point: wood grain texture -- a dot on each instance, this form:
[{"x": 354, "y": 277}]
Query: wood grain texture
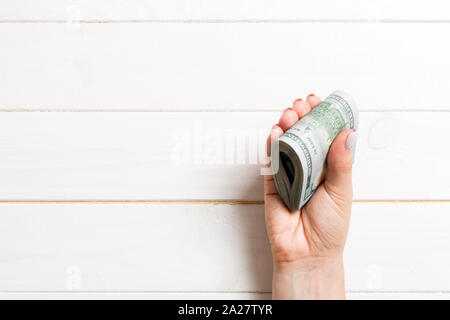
[
  {"x": 119, "y": 10},
  {"x": 199, "y": 248},
  {"x": 202, "y": 156},
  {"x": 238, "y": 66}
]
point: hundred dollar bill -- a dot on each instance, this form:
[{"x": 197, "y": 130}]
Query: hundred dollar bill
[{"x": 299, "y": 156}]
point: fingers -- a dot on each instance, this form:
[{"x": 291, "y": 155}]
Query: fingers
[
  {"x": 301, "y": 107},
  {"x": 313, "y": 100},
  {"x": 338, "y": 181},
  {"x": 275, "y": 133},
  {"x": 290, "y": 116},
  {"x": 269, "y": 185},
  {"x": 288, "y": 119}
]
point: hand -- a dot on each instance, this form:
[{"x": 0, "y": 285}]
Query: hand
[{"x": 307, "y": 245}]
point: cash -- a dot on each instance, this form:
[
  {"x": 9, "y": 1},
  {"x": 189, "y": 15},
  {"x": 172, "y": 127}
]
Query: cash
[{"x": 299, "y": 156}]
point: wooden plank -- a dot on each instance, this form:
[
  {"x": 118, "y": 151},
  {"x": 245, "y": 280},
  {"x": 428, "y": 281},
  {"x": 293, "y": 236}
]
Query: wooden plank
[
  {"x": 207, "y": 296},
  {"x": 202, "y": 156},
  {"x": 133, "y": 248},
  {"x": 398, "y": 296},
  {"x": 238, "y": 66},
  {"x": 135, "y": 296},
  {"x": 398, "y": 247},
  {"x": 119, "y": 10},
  {"x": 392, "y": 247}
]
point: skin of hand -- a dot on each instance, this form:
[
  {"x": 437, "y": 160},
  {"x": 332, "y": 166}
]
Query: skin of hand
[{"x": 307, "y": 244}]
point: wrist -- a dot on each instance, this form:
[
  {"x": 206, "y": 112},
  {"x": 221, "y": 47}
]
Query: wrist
[{"x": 309, "y": 278}]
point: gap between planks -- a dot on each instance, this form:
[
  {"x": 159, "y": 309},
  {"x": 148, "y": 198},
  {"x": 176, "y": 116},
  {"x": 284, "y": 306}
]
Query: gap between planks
[
  {"x": 175, "y": 110},
  {"x": 193, "y": 202},
  {"x": 230, "y": 21},
  {"x": 193, "y": 292}
]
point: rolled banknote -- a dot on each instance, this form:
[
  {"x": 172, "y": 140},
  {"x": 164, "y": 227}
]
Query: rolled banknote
[{"x": 299, "y": 156}]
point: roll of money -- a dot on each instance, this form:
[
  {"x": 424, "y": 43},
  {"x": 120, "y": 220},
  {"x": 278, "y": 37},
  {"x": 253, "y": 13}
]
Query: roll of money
[{"x": 298, "y": 158}]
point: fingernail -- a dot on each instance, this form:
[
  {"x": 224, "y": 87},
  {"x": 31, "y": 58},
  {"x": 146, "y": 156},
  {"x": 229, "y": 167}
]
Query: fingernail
[
  {"x": 311, "y": 95},
  {"x": 299, "y": 99},
  {"x": 350, "y": 140},
  {"x": 351, "y": 143}
]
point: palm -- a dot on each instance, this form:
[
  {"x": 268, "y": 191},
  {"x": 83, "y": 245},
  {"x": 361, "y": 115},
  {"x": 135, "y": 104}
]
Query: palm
[{"x": 309, "y": 231}]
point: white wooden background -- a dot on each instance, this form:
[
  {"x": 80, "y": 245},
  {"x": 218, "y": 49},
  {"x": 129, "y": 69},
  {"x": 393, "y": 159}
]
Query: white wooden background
[{"x": 94, "y": 94}]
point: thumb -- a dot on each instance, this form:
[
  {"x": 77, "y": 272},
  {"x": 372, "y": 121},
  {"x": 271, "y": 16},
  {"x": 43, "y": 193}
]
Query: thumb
[{"x": 338, "y": 181}]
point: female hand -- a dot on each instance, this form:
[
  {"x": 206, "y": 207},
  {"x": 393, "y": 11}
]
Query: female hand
[{"x": 307, "y": 245}]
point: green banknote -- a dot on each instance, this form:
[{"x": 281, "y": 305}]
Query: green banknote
[{"x": 299, "y": 156}]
